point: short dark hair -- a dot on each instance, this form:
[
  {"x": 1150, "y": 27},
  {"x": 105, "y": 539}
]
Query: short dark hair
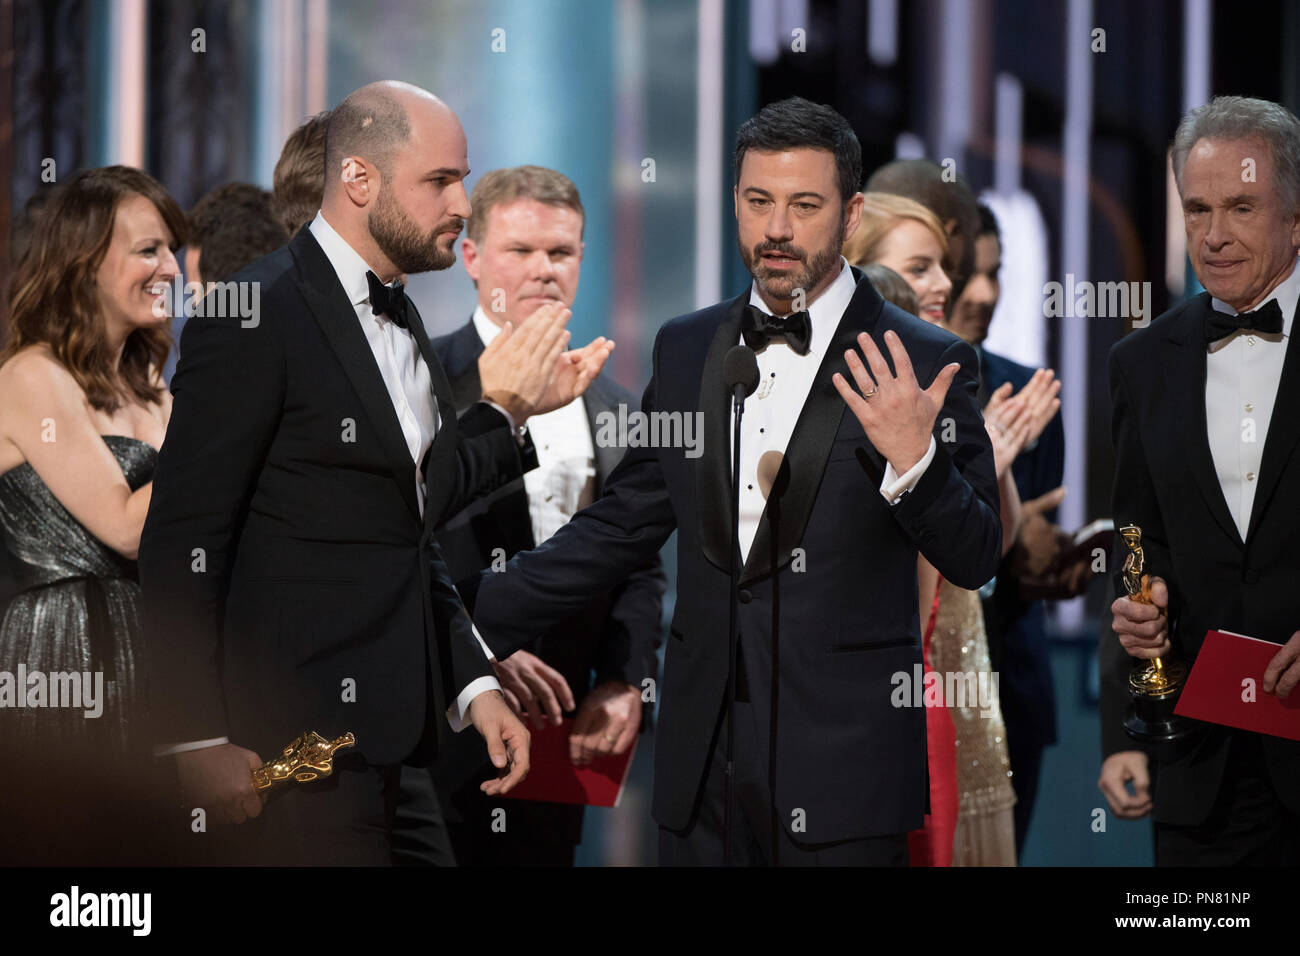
[
  {"x": 370, "y": 123},
  {"x": 299, "y": 178},
  {"x": 796, "y": 123},
  {"x": 988, "y": 224},
  {"x": 233, "y": 225}
]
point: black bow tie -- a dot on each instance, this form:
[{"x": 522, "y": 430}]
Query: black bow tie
[
  {"x": 759, "y": 328},
  {"x": 388, "y": 300},
  {"x": 1267, "y": 319}
]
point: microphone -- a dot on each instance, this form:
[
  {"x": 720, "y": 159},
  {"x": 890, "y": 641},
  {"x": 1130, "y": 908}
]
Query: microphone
[{"x": 740, "y": 371}]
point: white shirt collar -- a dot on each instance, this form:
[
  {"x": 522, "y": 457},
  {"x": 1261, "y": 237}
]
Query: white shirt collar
[
  {"x": 347, "y": 262},
  {"x": 824, "y": 312},
  {"x": 1287, "y": 293},
  {"x": 487, "y": 329}
]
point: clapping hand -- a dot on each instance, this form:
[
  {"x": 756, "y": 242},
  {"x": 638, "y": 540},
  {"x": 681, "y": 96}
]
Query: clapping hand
[
  {"x": 516, "y": 368},
  {"x": 574, "y": 372},
  {"x": 1008, "y": 427},
  {"x": 1038, "y": 399}
]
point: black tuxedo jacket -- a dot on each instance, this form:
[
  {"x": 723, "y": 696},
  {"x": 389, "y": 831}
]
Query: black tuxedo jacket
[
  {"x": 289, "y": 581},
  {"x": 1165, "y": 483},
  {"x": 835, "y": 622}
]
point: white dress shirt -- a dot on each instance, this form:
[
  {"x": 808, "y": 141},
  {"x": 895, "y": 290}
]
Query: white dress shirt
[
  {"x": 785, "y": 379},
  {"x": 564, "y": 481},
  {"x": 410, "y": 387},
  {"x": 396, "y": 353},
  {"x": 1242, "y": 374}
]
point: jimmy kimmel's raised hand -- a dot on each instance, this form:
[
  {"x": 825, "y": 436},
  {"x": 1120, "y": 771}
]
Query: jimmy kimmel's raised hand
[
  {"x": 220, "y": 780},
  {"x": 507, "y": 741},
  {"x": 516, "y": 369},
  {"x": 894, "y": 411}
]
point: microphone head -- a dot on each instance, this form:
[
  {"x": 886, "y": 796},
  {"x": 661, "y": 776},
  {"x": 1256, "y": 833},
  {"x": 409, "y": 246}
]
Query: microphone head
[{"x": 740, "y": 367}]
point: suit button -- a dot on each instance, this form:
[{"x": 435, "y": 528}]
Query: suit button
[
  {"x": 1250, "y": 576},
  {"x": 745, "y": 596}
]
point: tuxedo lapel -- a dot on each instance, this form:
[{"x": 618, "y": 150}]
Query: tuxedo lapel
[
  {"x": 462, "y": 350},
  {"x": 1185, "y": 362},
  {"x": 794, "y": 491},
  {"x": 713, "y": 467},
  {"x": 1283, "y": 431},
  {"x": 444, "y": 438},
  {"x": 336, "y": 317},
  {"x": 595, "y": 401}
]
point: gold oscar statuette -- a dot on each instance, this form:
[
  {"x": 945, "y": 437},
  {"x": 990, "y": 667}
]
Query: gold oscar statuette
[
  {"x": 307, "y": 758},
  {"x": 1154, "y": 684}
]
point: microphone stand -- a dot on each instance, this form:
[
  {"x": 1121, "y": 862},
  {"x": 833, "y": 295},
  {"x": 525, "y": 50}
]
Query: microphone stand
[{"x": 729, "y": 772}]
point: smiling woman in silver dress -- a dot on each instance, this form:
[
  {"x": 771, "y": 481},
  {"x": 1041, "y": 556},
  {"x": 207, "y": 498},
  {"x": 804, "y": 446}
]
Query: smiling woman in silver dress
[{"x": 83, "y": 410}]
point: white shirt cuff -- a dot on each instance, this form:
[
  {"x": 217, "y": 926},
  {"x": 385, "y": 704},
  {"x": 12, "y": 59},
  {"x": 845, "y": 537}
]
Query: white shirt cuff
[
  {"x": 456, "y": 713},
  {"x": 894, "y": 485},
  {"x": 166, "y": 750}
]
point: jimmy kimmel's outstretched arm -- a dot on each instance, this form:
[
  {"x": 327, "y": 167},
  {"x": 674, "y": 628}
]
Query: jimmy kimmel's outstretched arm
[
  {"x": 632, "y": 633},
  {"x": 228, "y": 391},
  {"x": 601, "y": 546},
  {"x": 487, "y": 457}
]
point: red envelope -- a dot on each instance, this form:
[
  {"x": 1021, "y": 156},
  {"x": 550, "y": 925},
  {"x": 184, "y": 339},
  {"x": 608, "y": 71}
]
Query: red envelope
[
  {"x": 553, "y": 776},
  {"x": 1214, "y": 689}
]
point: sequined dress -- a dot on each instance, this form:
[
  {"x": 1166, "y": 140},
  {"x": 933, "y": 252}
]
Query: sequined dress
[
  {"x": 985, "y": 833},
  {"x": 77, "y": 610}
]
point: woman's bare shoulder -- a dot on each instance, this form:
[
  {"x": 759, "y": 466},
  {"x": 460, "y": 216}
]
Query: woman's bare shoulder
[{"x": 32, "y": 372}]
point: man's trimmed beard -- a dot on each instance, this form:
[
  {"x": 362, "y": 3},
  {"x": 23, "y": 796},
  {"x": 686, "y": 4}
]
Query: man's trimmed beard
[
  {"x": 400, "y": 240},
  {"x": 782, "y": 285}
]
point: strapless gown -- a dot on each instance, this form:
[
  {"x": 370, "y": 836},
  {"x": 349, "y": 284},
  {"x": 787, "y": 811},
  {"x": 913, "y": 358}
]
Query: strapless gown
[{"x": 77, "y": 609}]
